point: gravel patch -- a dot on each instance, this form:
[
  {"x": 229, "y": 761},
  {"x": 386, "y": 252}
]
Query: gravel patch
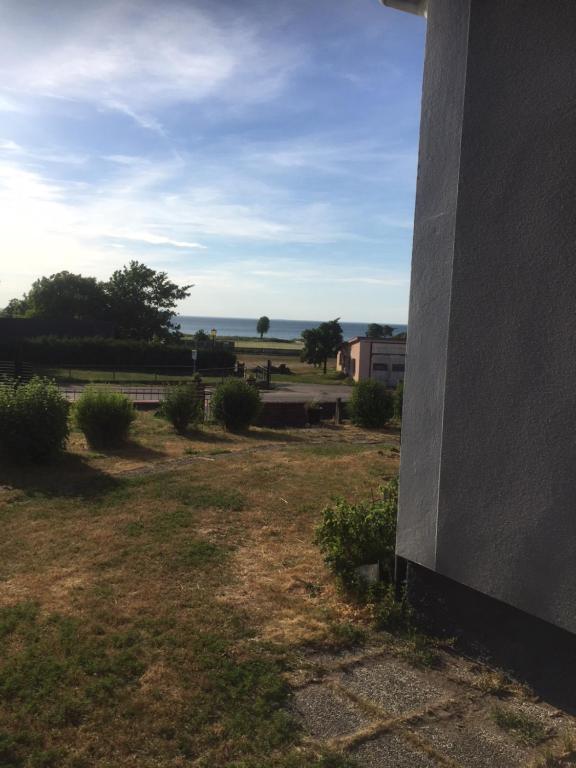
[
  {"x": 325, "y": 714},
  {"x": 395, "y": 688},
  {"x": 476, "y": 743},
  {"x": 390, "y": 751}
]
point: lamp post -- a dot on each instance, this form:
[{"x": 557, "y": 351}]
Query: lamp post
[{"x": 213, "y": 333}]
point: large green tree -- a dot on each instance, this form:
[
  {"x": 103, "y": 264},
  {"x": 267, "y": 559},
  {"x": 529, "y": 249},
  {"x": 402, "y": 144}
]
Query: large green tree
[
  {"x": 62, "y": 296},
  {"x": 263, "y": 325},
  {"x": 377, "y": 331},
  {"x": 142, "y": 302},
  {"x": 321, "y": 343},
  {"x": 138, "y": 300}
]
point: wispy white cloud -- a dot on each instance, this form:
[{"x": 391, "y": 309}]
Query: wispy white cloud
[
  {"x": 146, "y": 237},
  {"x": 138, "y": 57},
  {"x": 41, "y": 154}
]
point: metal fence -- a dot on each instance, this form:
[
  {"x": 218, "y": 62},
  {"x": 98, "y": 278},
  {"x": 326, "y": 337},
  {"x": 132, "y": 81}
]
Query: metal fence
[{"x": 10, "y": 370}]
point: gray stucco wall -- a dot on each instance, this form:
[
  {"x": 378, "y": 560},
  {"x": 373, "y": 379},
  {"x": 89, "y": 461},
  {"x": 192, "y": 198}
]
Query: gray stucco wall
[
  {"x": 488, "y": 472},
  {"x": 429, "y": 317}
]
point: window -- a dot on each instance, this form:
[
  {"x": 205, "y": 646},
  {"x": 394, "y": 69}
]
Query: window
[
  {"x": 398, "y": 367},
  {"x": 380, "y": 367}
]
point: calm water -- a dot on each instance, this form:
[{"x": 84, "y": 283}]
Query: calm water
[{"x": 279, "y": 329}]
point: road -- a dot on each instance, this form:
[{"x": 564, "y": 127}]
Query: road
[{"x": 282, "y": 393}]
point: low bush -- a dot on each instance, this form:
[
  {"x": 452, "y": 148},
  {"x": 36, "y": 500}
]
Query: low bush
[
  {"x": 351, "y": 535},
  {"x": 235, "y": 404},
  {"x": 104, "y": 416},
  {"x": 183, "y": 405},
  {"x": 33, "y": 420},
  {"x": 371, "y": 404}
]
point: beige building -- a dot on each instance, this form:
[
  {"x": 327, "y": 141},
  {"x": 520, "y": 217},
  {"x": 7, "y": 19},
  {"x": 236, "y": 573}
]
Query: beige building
[{"x": 379, "y": 359}]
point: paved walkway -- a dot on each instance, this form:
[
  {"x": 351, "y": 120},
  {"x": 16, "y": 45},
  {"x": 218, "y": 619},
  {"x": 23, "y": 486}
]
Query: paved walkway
[{"x": 385, "y": 713}]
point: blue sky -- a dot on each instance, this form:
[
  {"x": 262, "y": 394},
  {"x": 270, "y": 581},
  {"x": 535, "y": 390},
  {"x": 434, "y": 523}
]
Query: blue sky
[{"x": 264, "y": 151}]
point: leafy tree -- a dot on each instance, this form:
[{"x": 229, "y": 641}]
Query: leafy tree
[
  {"x": 15, "y": 308},
  {"x": 321, "y": 343},
  {"x": 142, "y": 302},
  {"x": 263, "y": 325},
  {"x": 138, "y": 300},
  {"x": 62, "y": 296},
  {"x": 201, "y": 336},
  {"x": 377, "y": 331}
]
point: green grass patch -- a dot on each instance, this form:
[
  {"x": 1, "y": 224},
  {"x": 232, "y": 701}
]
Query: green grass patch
[
  {"x": 201, "y": 496},
  {"x": 197, "y": 553},
  {"x": 54, "y": 670},
  {"x": 524, "y": 728}
]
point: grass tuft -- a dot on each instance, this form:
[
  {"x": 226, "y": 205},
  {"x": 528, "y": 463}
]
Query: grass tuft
[{"x": 524, "y": 728}]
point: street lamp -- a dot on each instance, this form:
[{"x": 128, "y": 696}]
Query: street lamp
[{"x": 213, "y": 333}]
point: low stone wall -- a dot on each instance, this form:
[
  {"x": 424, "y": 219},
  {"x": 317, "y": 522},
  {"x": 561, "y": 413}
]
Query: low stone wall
[{"x": 278, "y": 415}]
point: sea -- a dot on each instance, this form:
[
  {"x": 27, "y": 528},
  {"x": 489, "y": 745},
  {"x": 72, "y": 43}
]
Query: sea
[{"x": 279, "y": 329}]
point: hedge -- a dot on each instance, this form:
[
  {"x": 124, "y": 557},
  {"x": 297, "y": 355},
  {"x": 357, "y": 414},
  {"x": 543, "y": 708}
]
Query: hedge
[{"x": 55, "y": 351}]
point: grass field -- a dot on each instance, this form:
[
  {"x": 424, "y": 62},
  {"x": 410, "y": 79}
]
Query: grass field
[
  {"x": 154, "y": 598},
  {"x": 264, "y": 345},
  {"x": 301, "y": 373}
]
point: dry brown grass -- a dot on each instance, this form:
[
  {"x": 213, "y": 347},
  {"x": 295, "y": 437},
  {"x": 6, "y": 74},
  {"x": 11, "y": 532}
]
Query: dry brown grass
[{"x": 189, "y": 582}]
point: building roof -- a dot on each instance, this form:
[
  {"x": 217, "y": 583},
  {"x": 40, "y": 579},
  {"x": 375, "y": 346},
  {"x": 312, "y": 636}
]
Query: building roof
[
  {"x": 387, "y": 340},
  {"x": 419, "y": 7}
]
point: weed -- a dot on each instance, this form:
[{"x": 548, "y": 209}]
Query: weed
[
  {"x": 524, "y": 728},
  {"x": 390, "y": 614},
  {"x": 492, "y": 682},
  {"x": 346, "y": 635},
  {"x": 422, "y": 651}
]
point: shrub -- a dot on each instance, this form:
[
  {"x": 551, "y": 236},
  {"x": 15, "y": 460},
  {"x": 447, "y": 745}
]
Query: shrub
[
  {"x": 33, "y": 420},
  {"x": 355, "y": 534},
  {"x": 235, "y": 404},
  {"x": 104, "y": 416},
  {"x": 370, "y": 404},
  {"x": 183, "y": 405}
]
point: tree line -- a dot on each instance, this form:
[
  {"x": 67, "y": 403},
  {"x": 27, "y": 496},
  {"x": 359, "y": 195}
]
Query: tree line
[{"x": 139, "y": 301}]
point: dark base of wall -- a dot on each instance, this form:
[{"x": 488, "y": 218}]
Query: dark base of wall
[
  {"x": 279, "y": 415},
  {"x": 538, "y": 653}
]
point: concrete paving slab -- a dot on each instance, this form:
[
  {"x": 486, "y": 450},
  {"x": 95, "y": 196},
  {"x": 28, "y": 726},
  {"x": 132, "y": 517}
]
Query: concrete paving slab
[
  {"x": 325, "y": 714},
  {"x": 393, "y": 686},
  {"x": 476, "y": 742},
  {"x": 390, "y": 751}
]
